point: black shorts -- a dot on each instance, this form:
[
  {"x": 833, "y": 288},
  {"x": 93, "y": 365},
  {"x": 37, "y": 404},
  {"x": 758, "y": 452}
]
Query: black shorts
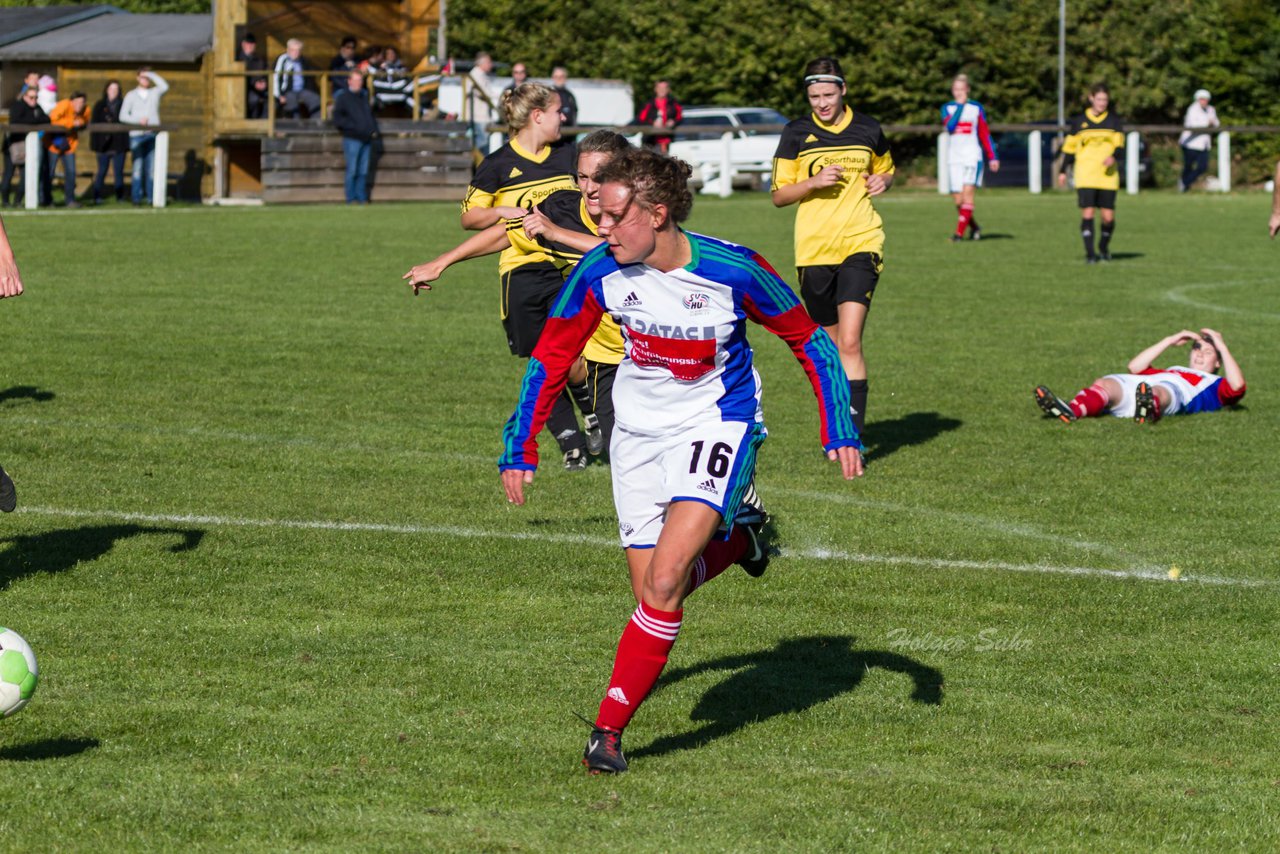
[
  {"x": 824, "y": 286},
  {"x": 528, "y": 292},
  {"x": 1087, "y": 197}
]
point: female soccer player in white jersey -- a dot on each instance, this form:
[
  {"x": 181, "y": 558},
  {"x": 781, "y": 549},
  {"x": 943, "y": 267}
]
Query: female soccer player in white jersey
[
  {"x": 830, "y": 164},
  {"x": 687, "y": 402},
  {"x": 969, "y": 139}
]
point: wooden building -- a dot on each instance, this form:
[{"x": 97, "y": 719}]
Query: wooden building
[
  {"x": 85, "y": 54},
  {"x": 302, "y": 161}
]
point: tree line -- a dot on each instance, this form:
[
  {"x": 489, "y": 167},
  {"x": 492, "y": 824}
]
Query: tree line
[{"x": 899, "y": 58}]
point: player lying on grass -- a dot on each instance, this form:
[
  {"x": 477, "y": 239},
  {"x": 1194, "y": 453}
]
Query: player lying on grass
[
  {"x": 1146, "y": 394},
  {"x": 562, "y": 227},
  {"x": 687, "y": 399}
]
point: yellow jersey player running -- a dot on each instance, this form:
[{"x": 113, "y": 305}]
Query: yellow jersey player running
[
  {"x": 832, "y": 162},
  {"x": 1095, "y": 147}
]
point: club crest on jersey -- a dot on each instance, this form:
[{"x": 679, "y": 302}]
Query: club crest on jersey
[{"x": 697, "y": 303}]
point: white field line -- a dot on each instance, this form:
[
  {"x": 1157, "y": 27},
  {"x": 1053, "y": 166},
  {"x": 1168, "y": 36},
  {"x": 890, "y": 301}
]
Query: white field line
[
  {"x": 1182, "y": 297},
  {"x": 812, "y": 553}
]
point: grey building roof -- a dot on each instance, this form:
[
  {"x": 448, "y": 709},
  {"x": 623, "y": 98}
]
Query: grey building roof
[
  {"x": 120, "y": 38},
  {"x": 23, "y": 23}
]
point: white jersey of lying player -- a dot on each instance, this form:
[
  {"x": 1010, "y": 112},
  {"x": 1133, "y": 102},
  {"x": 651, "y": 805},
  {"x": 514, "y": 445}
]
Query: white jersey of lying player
[
  {"x": 687, "y": 357},
  {"x": 970, "y": 137},
  {"x": 1190, "y": 391}
]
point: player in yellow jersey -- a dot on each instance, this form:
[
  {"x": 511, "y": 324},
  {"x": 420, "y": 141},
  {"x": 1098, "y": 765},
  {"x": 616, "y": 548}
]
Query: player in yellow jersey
[
  {"x": 533, "y": 164},
  {"x": 1095, "y": 148},
  {"x": 833, "y": 162},
  {"x": 563, "y": 226}
]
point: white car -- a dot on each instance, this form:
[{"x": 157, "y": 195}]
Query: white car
[{"x": 751, "y": 148}]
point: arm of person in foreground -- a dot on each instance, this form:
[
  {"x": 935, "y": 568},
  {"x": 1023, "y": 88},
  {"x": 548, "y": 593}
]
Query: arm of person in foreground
[
  {"x": 770, "y": 302},
  {"x": 492, "y": 239},
  {"x": 1143, "y": 360},
  {"x": 575, "y": 318},
  {"x": 10, "y": 279},
  {"x": 1275, "y": 202}
]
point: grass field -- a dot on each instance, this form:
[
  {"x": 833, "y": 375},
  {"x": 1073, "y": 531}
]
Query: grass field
[{"x": 280, "y": 603}]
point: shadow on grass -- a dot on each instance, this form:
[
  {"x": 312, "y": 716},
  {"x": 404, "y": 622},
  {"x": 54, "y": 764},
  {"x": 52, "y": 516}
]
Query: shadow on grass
[
  {"x": 885, "y": 437},
  {"x": 1126, "y": 256},
  {"x": 792, "y": 677},
  {"x": 25, "y": 392},
  {"x": 48, "y": 748},
  {"x": 58, "y": 551},
  {"x": 995, "y": 236}
]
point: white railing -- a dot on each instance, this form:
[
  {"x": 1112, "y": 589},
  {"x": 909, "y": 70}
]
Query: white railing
[{"x": 31, "y": 177}]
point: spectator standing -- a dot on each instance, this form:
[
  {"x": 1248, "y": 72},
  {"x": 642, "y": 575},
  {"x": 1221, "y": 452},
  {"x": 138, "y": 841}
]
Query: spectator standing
[
  {"x": 480, "y": 102},
  {"x": 293, "y": 90},
  {"x": 30, "y": 80},
  {"x": 342, "y": 65},
  {"x": 48, "y": 97},
  {"x": 568, "y": 103},
  {"x": 142, "y": 107},
  {"x": 1196, "y": 145},
  {"x": 255, "y": 88},
  {"x": 353, "y": 117},
  {"x": 110, "y": 146},
  {"x": 73, "y": 114},
  {"x": 662, "y": 111},
  {"x": 519, "y": 75},
  {"x": 25, "y": 111}
]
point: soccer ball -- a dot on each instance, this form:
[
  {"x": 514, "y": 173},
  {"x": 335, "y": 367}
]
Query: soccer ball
[{"x": 18, "y": 674}]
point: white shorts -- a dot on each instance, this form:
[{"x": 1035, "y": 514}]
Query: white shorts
[
  {"x": 712, "y": 463},
  {"x": 1129, "y": 388},
  {"x": 965, "y": 174}
]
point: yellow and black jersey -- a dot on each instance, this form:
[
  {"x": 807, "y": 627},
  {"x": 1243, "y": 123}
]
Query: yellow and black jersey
[
  {"x": 567, "y": 209},
  {"x": 1092, "y": 139},
  {"x": 839, "y": 221},
  {"x": 512, "y": 177}
]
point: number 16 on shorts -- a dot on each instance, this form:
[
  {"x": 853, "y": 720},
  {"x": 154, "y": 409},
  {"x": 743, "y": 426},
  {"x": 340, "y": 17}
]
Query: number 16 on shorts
[{"x": 711, "y": 463}]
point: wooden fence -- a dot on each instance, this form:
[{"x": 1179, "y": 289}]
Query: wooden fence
[{"x": 415, "y": 161}]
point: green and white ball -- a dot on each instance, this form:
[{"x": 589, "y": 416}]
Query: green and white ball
[{"x": 18, "y": 673}]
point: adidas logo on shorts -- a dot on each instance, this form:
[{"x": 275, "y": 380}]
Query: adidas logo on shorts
[
  {"x": 631, "y": 301},
  {"x": 709, "y": 485}
]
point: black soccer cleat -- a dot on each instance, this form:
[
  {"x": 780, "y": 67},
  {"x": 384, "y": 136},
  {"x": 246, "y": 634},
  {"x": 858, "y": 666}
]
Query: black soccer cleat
[
  {"x": 956, "y": 238},
  {"x": 1053, "y": 405},
  {"x": 604, "y": 752},
  {"x": 1091, "y": 259},
  {"x": 8, "y": 493},
  {"x": 975, "y": 233},
  {"x": 760, "y": 549},
  {"x": 1146, "y": 408},
  {"x": 575, "y": 460},
  {"x": 595, "y": 435},
  {"x": 1105, "y": 256}
]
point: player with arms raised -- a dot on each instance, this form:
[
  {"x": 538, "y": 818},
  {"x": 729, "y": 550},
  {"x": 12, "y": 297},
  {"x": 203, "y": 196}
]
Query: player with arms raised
[
  {"x": 687, "y": 401},
  {"x": 1146, "y": 394},
  {"x": 832, "y": 162},
  {"x": 969, "y": 139}
]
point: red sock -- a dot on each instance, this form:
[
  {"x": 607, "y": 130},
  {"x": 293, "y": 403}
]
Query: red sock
[
  {"x": 1089, "y": 402},
  {"x": 718, "y": 556},
  {"x": 966, "y": 216},
  {"x": 642, "y": 653}
]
